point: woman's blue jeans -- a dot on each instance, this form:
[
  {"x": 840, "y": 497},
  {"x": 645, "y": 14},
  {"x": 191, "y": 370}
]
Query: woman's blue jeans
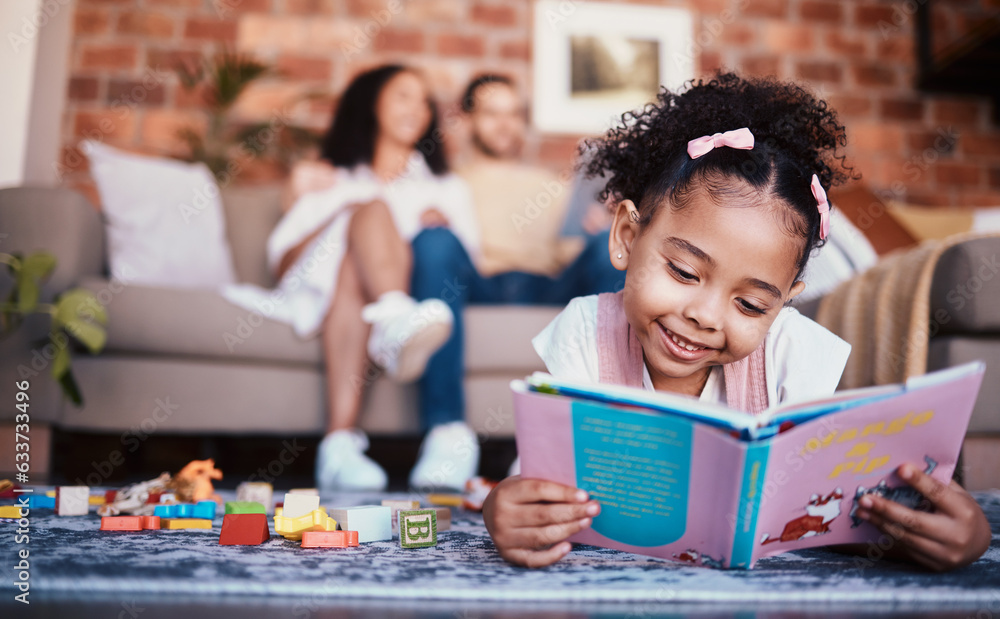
[{"x": 442, "y": 269}]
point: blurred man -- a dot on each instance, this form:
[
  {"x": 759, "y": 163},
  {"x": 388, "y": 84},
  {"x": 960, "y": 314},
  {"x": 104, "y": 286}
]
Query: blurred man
[{"x": 523, "y": 260}]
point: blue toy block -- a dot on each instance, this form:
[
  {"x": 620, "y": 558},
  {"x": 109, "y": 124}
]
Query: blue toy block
[
  {"x": 203, "y": 509},
  {"x": 179, "y": 510},
  {"x": 36, "y": 501}
]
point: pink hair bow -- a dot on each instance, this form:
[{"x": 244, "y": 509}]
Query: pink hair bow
[
  {"x": 822, "y": 206},
  {"x": 738, "y": 138}
]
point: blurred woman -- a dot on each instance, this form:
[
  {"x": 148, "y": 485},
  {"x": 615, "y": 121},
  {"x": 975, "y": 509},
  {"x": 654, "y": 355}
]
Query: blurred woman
[{"x": 342, "y": 256}]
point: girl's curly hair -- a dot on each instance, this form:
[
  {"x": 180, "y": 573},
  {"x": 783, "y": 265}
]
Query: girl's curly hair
[{"x": 796, "y": 135}]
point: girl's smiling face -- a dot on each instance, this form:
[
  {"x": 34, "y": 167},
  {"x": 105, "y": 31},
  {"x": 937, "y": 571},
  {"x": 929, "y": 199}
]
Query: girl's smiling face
[{"x": 705, "y": 282}]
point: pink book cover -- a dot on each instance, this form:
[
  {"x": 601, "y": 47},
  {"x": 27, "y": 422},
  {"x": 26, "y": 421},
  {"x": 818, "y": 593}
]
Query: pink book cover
[{"x": 673, "y": 486}]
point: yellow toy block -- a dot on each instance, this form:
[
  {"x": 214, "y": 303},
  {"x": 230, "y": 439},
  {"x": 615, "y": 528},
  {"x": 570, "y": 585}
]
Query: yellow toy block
[
  {"x": 279, "y": 511},
  {"x": 51, "y": 493},
  {"x": 10, "y": 511},
  {"x": 449, "y": 500},
  {"x": 96, "y": 500},
  {"x": 185, "y": 523},
  {"x": 293, "y": 528}
]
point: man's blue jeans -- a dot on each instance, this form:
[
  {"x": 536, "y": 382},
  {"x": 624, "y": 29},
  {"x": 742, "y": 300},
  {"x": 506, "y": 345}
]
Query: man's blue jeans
[{"x": 442, "y": 269}]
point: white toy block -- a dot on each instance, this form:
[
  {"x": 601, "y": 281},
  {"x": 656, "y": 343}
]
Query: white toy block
[
  {"x": 372, "y": 522},
  {"x": 257, "y": 492},
  {"x": 299, "y": 505},
  {"x": 72, "y": 500},
  {"x": 304, "y": 491}
]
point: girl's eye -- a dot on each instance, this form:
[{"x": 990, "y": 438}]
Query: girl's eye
[
  {"x": 684, "y": 275},
  {"x": 751, "y": 308}
]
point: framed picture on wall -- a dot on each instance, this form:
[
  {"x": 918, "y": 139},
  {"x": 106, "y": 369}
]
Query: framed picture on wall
[{"x": 594, "y": 61}]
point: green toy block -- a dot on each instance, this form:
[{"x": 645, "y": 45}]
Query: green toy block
[
  {"x": 417, "y": 528},
  {"x": 244, "y": 507}
]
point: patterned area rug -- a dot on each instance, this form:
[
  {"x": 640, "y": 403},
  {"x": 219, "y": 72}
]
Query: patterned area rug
[{"x": 69, "y": 556}]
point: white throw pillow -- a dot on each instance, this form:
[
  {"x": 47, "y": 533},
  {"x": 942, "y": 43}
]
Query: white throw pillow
[{"x": 163, "y": 219}]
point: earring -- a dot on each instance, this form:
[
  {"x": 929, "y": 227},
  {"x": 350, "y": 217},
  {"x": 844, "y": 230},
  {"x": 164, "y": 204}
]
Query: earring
[{"x": 619, "y": 255}]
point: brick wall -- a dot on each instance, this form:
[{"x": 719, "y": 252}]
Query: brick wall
[{"x": 938, "y": 150}]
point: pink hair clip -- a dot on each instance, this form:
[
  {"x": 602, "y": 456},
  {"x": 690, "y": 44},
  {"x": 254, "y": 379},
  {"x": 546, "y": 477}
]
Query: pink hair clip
[
  {"x": 822, "y": 206},
  {"x": 738, "y": 138}
]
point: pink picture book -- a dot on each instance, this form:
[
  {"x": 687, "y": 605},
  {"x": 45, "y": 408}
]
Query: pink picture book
[{"x": 700, "y": 483}]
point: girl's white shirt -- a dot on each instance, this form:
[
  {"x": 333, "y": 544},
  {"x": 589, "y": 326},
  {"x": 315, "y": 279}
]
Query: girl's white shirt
[{"x": 802, "y": 360}]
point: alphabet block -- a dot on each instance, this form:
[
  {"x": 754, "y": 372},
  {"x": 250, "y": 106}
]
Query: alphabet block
[
  {"x": 260, "y": 492},
  {"x": 372, "y": 522},
  {"x": 72, "y": 500},
  {"x": 417, "y": 528}
]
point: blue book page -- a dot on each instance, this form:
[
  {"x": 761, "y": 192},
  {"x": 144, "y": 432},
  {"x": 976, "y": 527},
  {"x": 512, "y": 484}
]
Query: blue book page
[{"x": 638, "y": 466}]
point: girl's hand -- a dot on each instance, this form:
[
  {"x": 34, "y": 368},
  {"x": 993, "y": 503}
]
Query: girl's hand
[
  {"x": 530, "y": 519},
  {"x": 956, "y": 534},
  {"x": 433, "y": 218}
]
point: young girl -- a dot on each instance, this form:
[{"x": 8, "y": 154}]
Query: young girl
[{"x": 720, "y": 201}]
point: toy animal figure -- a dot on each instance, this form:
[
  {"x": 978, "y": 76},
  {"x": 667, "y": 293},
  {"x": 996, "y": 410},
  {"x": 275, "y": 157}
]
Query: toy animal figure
[
  {"x": 194, "y": 482},
  {"x": 132, "y": 499},
  {"x": 820, "y": 512},
  {"x": 906, "y": 496}
]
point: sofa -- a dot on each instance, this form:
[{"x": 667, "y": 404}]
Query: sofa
[
  {"x": 186, "y": 361},
  {"x": 168, "y": 366}
]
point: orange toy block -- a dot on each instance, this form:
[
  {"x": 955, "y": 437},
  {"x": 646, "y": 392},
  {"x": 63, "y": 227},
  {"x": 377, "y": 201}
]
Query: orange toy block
[
  {"x": 121, "y": 523},
  {"x": 329, "y": 539},
  {"x": 244, "y": 530},
  {"x": 150, "y": 523}
]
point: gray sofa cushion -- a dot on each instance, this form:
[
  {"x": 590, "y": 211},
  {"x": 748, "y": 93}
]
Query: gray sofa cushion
[
  {"x": 200, "y": 323},
  {"x": 251, "y": 213},
  {"x": 965, "y": 293},
  {"x": 951, "y": 351}
]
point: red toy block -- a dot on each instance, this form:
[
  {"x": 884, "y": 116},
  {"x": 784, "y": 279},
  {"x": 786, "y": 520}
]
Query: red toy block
[
  {"x": 121, "y": 523},
  {"x": 154, "y": 498},
  {"x": 329, "y": 539},
  {"x": 150, "y": 522},
  {"x": 109, "y": 496},
  {"x": 244, "y": 530}
]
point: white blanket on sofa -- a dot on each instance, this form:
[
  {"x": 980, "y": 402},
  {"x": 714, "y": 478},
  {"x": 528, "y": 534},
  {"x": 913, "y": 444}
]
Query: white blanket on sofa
[{"x": 303, "y": 296}]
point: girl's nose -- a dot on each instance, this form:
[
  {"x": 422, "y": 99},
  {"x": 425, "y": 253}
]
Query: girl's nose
[{"x": 705, "y": 310}]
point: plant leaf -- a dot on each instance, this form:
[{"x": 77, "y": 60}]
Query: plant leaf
[
  {"x": 70, "y": 388},
  {"x": 80, "y": 303},
  {"x": 90, "y": 335},
  {"x": 39, "y": 265},
  {"x": 61, "y": 362},
  {"x": 27, "y": 293}
]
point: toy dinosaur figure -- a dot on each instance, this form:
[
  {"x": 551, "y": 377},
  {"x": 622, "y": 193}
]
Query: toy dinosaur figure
[{"x": 194, "y": 482}]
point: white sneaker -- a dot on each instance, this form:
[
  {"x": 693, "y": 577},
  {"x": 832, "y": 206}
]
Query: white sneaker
[
  {"x": 449, "y": 457},
  {"x": 406, "y": 333},
  {"x": 341, "y": 463}
]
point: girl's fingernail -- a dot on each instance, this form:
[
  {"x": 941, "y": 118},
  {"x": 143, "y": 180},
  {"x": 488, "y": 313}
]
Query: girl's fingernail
[
  {"x": 566, "y": 547},
  {"x": 581, "y": 496},
  {"x": 865, "y": 501},
  {"x": 592, "y": 509},
  {"x": 905, "y": 471},
  {"x": 585, "y": 522},
  {"x": 862, "y": 513}
]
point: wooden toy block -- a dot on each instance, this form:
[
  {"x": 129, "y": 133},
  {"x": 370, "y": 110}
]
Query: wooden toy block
[
  {"x": 293, "y": 528},
  {"x": 121, "y": 523},
  {"x": 417, "y": 528},
  {"x": 450, "y": 500},
  {"x": 96, "y": 499},
  {"x": 296, "y": 505},
  {"x": 36, "y": 501},
  {"x": 150, "y": 523},
  {"x": 394, "y": 506},
  {"x": 185, "y": 523},
  {"x": 372, "y": 522},
  {"x": 244, "y": 507},
  {"x": 51, "y": 493},
  {"x": 10, "y": 511},
  {"x": 260, "y": 492},
  {"x": 244, "y": 529},
  {"x": 204, "y": 509},
  {"x": 325, "y": 539},
  {"x": 109, "y": 496},
  {"x": 72, "y": 500},
  {"x": 309, "y": 491},
  {"x": 443, "y": 518}
]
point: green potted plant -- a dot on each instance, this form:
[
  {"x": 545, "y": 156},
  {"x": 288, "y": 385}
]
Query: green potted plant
[{"x": 75, "y": 314}]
